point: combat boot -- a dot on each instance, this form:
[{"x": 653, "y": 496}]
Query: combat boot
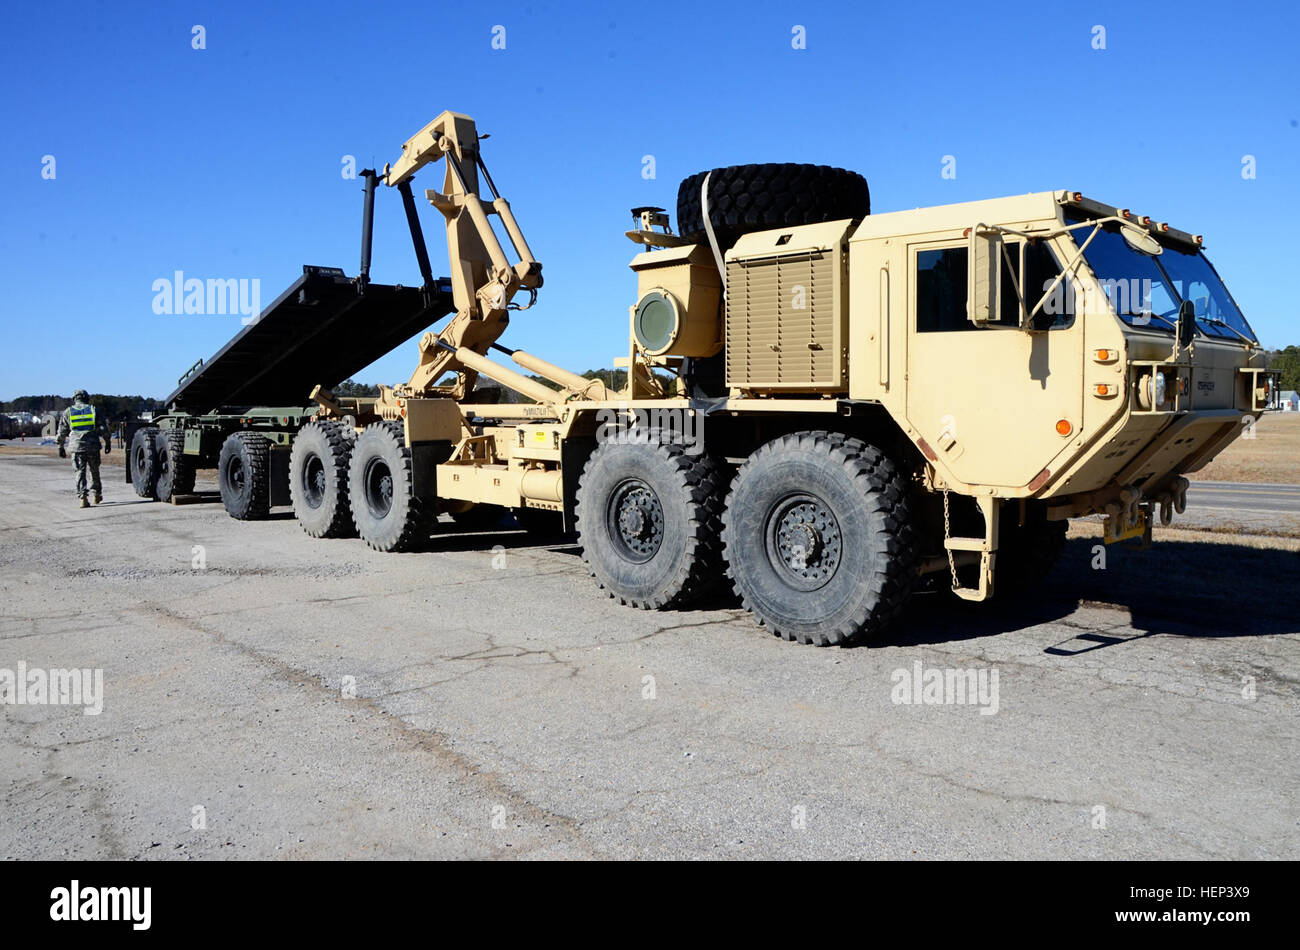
[
  {"x": 98, "y": 498},
  {"x": 85, "y": 502}
]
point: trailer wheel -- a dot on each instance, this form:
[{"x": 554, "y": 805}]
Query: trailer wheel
[
  {"x": 649, "y": 517},
  {"x": 144, "y": 462},
  {"x": 243, "y": 474},
  {"x": 745, "y": 198},
  {"x": 819, "y": 538},
  {"x": 318, "y": 479},
  {"x": 381, "y": 491},
  {"x": 175, "y": 471}
]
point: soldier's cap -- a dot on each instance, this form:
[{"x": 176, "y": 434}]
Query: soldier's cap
[{"x": 81, "y": 395}]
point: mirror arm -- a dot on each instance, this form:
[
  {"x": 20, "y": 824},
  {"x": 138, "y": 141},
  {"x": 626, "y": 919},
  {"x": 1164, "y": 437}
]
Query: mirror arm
[{"x": 1078, "y": 255}]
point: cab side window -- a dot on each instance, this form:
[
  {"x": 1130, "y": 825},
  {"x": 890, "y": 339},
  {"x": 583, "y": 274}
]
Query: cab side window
[{"x": 941, "y": 288}]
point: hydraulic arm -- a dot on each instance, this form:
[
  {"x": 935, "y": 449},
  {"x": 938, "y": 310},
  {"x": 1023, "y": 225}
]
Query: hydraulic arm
[{"x": 484, "y": 282}]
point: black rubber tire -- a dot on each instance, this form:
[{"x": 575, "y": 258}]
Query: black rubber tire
[
  {"x": 243, "y": 475},
  {"x": 867, "y": 565},
  {"x": 144, "y": 462},
  {"x": 480, "y": 517},
  {"x": 175, "y": 470},
  {"x": 684, "y": 561},
  {"x": 381, "y": 491},
  {"x": 542, "y": 524},
  {"x": 1026, "y": 553},
  {"x": 318, "y": 479},
  {"x": 745, "y": 198}
]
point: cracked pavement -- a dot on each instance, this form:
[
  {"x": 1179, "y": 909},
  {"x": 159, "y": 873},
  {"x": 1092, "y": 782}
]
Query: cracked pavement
[{"x": 317, "y": 699}]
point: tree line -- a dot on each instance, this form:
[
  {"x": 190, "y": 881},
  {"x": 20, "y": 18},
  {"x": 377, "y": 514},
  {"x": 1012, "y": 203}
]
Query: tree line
[{"x": 112, "y": 408}]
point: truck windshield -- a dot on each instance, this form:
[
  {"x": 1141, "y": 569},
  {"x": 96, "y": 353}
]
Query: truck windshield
[{"x": 1147, "y": 291}]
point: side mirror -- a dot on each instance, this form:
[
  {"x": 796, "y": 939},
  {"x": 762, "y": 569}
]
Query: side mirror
[
  {"x": 1186, "y": 323},
  {"x": 984, "y": 282}
]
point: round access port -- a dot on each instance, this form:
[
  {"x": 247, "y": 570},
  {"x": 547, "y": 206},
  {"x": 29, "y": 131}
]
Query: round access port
[{"x": 656, "y": 323}]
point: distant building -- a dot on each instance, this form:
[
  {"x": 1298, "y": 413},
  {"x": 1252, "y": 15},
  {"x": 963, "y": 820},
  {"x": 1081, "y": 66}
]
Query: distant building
[
  {"x": 1289, "y": 401},
  {"x": 19, "y": 424}
]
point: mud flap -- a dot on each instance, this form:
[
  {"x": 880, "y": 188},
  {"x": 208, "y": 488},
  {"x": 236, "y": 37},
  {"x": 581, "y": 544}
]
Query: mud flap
[
  {"x": 425, "y": 459},
  {"x": 278, "y": 476}
]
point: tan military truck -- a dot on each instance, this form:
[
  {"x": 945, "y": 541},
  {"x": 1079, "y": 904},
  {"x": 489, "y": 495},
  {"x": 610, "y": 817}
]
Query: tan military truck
[{"x": 823, "y": 405}]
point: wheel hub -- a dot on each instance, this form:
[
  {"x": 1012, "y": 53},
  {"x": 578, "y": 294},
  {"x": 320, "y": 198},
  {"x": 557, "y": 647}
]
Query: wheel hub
[
  {"x": 314, "y": 481},
  {"x": 804, "y": 541},
  {"x": 379, "y": 488},
  {"x": 636, "y": 520}
]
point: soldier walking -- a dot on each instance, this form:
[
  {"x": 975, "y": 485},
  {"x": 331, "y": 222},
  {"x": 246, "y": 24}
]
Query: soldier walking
[{"x": 80, "y": 425}]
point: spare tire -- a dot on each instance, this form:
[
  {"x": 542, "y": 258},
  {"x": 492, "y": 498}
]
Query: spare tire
[{"x": 745, "y": 198}]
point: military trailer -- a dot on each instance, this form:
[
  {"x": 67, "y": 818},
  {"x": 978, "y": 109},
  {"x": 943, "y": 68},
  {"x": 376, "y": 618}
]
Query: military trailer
[{"x": 823, "y": 406}]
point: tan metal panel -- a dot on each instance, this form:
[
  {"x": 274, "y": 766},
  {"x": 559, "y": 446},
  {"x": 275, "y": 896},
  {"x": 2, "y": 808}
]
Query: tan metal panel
[{"x": 785, "y": 310}]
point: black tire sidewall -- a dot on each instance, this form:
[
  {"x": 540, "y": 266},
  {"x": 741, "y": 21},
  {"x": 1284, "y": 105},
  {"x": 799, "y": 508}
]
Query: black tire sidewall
[
  {"x": 384, "y": 533},
  {"x": 774, "y": 476},
  {"x": 144, "y": 480},
  {"x": 313, "y": 441},
  {"x": 168, "y": 452},
  {"x": 609, "y": 467},
  {"x": 239, "y": 504}
]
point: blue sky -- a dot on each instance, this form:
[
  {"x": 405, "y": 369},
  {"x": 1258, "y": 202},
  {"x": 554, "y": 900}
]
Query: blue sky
[{"x": 225, "y": 162}]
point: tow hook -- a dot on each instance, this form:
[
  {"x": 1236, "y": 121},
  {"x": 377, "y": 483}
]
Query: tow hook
[
  {"x": 1166, "y": 501},
  {"x": 1179, "y": 491},
  {"x": 1174, "y": 499},
  {"x": 1130, "y": 498},
  {"x": 1129, "y": 516}
]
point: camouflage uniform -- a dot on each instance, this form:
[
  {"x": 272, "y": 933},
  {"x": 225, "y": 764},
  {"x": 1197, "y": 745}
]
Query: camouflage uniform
[{"x": 81, "y": 427}]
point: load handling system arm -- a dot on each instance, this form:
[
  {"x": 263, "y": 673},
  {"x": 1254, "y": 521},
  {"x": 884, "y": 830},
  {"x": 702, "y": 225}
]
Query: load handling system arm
[{"x": 484, "y": 283}]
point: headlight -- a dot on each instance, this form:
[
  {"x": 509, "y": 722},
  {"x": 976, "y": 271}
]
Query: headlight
[
  {"x": 1152, "y": 390},
  {"x": 1160, "y": 388}
]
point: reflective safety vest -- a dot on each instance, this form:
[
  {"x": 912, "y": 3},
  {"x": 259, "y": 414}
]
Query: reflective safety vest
[{"x": 82, "y": 420}]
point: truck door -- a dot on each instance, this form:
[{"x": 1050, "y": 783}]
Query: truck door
[{"x": 996, "y": 404}]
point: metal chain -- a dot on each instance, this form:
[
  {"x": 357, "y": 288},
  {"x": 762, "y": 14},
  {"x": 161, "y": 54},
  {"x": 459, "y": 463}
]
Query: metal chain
[{"x": 947, "y": 533}]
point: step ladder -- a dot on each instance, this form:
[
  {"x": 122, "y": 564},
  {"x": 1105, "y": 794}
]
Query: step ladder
[{"x": 986, "y": 547}]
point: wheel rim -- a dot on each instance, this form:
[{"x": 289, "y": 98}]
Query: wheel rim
[
  {"x": 313, "y": 481},
  {"x": 803, "y": 541},
  {"x": 164, "y": 465},
  {"x": 139, "y": 459},
  {"x": 378, "y": 486},
  {"x": 235, "y": 474},
  {"x": 635, "y": 520}
]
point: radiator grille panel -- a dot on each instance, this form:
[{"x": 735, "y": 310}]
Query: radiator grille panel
[{"x": 782, "y": 323}]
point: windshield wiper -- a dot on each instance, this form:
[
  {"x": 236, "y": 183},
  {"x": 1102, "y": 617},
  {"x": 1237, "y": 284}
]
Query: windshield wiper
[
  {"x": 1223, "y": 323},
  {"x": 1154, "y": 316}
]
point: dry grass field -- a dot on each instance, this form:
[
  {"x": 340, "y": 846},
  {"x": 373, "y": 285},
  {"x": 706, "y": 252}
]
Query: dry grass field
[{"x": 1272, "y": 456}]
